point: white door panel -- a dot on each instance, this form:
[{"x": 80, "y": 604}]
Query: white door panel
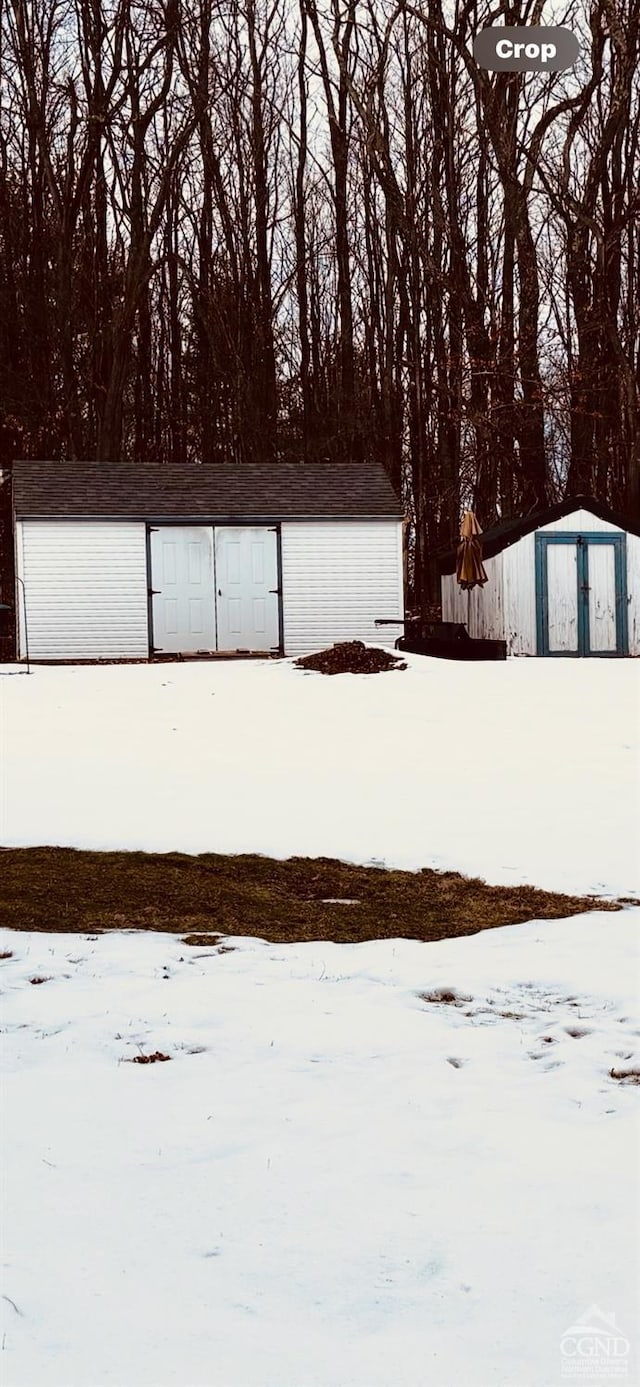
[
  {"x": 182, "y": 586},
  {"x": 247, "y": 601},
  {"x": 562, "y": 586},
  {"x": 602, "y": 597}
]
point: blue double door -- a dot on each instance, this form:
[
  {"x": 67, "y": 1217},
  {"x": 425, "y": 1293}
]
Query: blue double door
[{"x": 581, "y": 593}]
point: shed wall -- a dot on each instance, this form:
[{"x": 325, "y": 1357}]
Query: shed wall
[
  {"x": 519, "y": 569},
  {"x": 337, "y": 577},
  {"x": 85, "y": 589},
  {"x": 482, "y": 609}
]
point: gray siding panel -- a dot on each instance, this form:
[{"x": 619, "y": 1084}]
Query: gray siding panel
[
  {"x": 337, "y": 578},
  {"x": 85, "y": 590}
]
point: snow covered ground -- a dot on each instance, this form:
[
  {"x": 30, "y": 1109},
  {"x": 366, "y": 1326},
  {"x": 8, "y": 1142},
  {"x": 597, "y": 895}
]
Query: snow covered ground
[
  {"x": 390, "y": 1164},
  {"x": 521, "y": 771},
  {"x": 333, "y": 1181}
]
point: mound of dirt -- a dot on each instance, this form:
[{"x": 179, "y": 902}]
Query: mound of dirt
[
  {"x": 351, "y": 657},
  {"x": 156, "y": 1058}
]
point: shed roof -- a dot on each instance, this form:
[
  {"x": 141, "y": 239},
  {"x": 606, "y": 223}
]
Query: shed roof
[
  {"x": 273, "y": 491},
  {"x": 508, "y": 532}
]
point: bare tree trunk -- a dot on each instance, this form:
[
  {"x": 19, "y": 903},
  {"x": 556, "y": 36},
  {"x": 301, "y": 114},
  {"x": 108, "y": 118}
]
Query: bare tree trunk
[
  {"x": 264, "y": 306},
  {"x": 301, "y": 242}
]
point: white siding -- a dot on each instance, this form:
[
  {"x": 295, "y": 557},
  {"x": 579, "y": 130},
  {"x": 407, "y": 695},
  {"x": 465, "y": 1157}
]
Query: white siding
[
  {"x": 337, "y": 577},
  {"x": 505, "y": 608},
  {"x": 85, "y": 586},
  {"x": 519, "y": 566},
  {"x": 448, "y": 596},
  {"x": 633, "y": 593},
  {"x": 482, "y": 609},
  {"x": 583, "y": 520}
]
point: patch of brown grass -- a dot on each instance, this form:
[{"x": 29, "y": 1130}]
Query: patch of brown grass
[
  {"x": 205, "y": 897},
  {"x": 202, "y": 941},
  {"x": 6, "y": 953}
]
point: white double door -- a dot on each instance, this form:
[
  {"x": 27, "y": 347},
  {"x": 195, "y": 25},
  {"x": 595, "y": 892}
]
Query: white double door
[{"x": 214, "y": 589}]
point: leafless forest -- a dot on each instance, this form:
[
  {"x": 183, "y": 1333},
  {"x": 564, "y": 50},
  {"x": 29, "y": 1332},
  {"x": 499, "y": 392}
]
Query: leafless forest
[{"x": 241, "y": 229}]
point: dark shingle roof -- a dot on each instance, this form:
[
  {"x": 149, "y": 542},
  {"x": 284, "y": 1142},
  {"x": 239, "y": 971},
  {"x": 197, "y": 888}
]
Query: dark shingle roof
[
  {"x": 265, "y": 491},
  {"x": 508, "y": 532}
]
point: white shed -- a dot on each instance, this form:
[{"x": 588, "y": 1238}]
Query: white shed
[
  {"x": 118, "y": 562},
  {"x": 565, "y": 581}
]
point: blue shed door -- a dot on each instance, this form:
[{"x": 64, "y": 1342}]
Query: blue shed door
[{"x": 581, "y": 594}]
